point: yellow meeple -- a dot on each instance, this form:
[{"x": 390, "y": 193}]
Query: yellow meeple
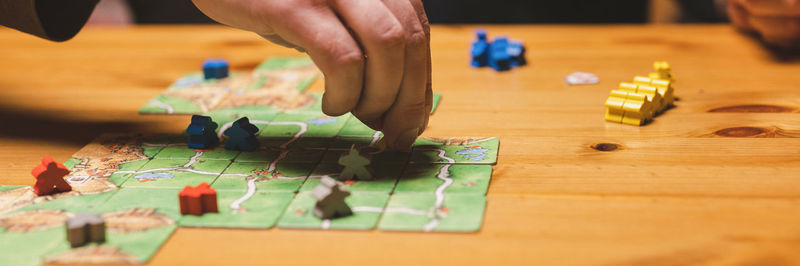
[{"x": 637, "y": 102}]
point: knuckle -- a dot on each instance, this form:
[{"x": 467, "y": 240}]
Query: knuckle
[
  {"x": 392, "y": 35},
  {"x": 349, "y": 58},
  {"x": 417, "y": 39}
]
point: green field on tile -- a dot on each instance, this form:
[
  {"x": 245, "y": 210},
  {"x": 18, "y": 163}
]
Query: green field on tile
[
  {"x": 80, "y": 203},
  {"x": 466, "y": 178},
  {"x": 167, "y": 173},
  {"x": 366, "y": 208},
  {"x": 303, "y": 126},
  {"x": 163, "y": 200},
  {"x": 416, "y": 212},
  {"x": 28, "y": 248},
  {"x": 261, "y": 210},
  {"x": 286, "y": 177}
]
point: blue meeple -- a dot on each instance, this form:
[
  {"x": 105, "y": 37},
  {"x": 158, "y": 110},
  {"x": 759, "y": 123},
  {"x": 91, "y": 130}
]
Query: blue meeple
[
  {"x": 500, "y": 54},
  {"x": 215, "y": 69},
  {"x": 202, "y": 132},
  {"x": 241, "y": 135}
]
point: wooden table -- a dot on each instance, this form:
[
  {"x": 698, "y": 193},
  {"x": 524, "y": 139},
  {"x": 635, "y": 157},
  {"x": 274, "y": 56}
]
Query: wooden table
[{"x": 693, "y": 187}]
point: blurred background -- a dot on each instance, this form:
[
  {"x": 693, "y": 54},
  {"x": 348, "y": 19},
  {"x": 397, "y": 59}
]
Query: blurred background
[{"x": 117, "y": 12}]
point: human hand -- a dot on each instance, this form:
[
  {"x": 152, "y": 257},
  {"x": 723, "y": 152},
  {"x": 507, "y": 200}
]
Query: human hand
[
  {"x": 777, "y": 21},
  {"x": 375, "y": 55}
]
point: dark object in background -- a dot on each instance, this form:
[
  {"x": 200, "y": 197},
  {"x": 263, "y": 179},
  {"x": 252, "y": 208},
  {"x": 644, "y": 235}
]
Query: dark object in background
[
  {"x": 536, "y": 11},
  {"x": 167, "y": 12},
  {"x": 694, "y": 11}
]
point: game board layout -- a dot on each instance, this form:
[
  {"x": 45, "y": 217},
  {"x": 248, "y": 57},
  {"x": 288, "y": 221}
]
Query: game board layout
[{"x": 133, "y": 180}]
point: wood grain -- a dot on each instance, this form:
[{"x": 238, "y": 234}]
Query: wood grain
[{"x": 694, "y": 187}]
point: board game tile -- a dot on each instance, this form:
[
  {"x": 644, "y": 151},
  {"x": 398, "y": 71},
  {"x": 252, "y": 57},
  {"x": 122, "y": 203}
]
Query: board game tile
[
  {"x": 261, "y": 210},
  {"x": 71, "y": 202},
  {"x": 182, "y": 152},
  {"x": 264, "y": 154},
  {"x": 287, "y": 177},
  {"x": 285, "y": 62},
  {"x": 375, "y": 156},
  {"x": 466, "y": 178},
  {"x": 113, "y": 149},
  {"x": 455, "y": 150},
  {"x": 416, "y": 212},
  {"x": 27, "y": 248},
  {"x": 354, "y": 127},
  {"x": 143, "y": 244},
  {"x": 224, "y": 118},
  {"x": 163, "y": 104},
  {"x": 366, "y": 207},
  {"x": 122, "y": 246},
  {"x": 167, "y": 173},
  {"x": 126, "y": 171},
  {"x": 10, "y": 187},
  {"x": 163, "y": 200},
  {"x": 288, "y": 125},
  {"x": 383, "y": 179}
]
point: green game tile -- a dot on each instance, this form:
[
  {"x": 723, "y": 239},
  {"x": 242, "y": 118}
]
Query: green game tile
[
  {"x": 80, "y": 203},
  {"x": 118, "y": 178},
  {"x": 288, "y": 177},
  {"x": 285, "y": 126},
  {"x": 355, "y": 128},
  {"x": 166, "y": 173},
  {"x": 415, "y": 212},
  {"x": 383, "y": 179},
  {"x": 184, "y": 153},
  {"x": 27, "y": 248},
  {"x": 162, "y": 104},
  {"x": 366, "y": 209},
  {"x": 466, "y": 178},
  {"x": 426, "y": 151},
  {"x": 281, "y": 62},
  {"x": 228, "y": 116},
  {"x": 261, "y": 210},
  {"x": 376, "y": 157},
  {"x": 153, "y": 144},
  {"x": 264, "y": 154},
  {"x": 10, "y": 187},
  {"x": 163, "y": 200},
  {"x": 143, "y": 244}
]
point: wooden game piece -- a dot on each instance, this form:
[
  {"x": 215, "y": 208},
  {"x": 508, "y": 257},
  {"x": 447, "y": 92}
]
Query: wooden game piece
[
  {"x": 480, "y": 49},
  {"x": 355, "y": 165},
  {"x": 84, "y": 228},
  {"x": 215, "y": 69},
  {"x": 330, "y": 195},
  {"x": 50, "y": 177},
  {"x": 198, "y": 200},
  {"x": 202, "y": 133},
  {"x": 241, "y": 135},
  {"x": 499, "y": 54}
]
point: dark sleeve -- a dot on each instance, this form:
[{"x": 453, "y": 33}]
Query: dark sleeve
[{"x": 56, "y": 20}]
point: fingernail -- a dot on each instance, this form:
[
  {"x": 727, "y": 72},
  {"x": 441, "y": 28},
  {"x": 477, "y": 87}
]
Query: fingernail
[{"x": 406, "y": 139}]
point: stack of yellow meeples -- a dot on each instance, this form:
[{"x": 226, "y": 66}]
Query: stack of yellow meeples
[{"x": 638, "y": 102}]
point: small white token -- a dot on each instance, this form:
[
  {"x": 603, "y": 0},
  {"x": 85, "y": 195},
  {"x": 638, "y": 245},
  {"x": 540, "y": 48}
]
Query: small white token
[{"x": 581, "y": 78}]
